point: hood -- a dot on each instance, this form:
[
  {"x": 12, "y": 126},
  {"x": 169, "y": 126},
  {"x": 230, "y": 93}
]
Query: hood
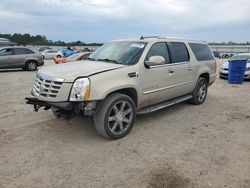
[
  {"x": 226, "y": 65},
  {"x": 70, "y": 71}
]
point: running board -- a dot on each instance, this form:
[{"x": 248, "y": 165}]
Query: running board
[{"x": 164, "y": 104}]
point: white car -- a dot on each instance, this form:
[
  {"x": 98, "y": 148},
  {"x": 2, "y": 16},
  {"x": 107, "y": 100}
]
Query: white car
[
  {"x": 49, "y": 54},
  {"x": 243, "y": 56}
]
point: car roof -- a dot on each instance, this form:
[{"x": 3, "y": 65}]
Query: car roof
[
  {"x": 15, "y": 47},
  {"x": 159, "y": 39}
]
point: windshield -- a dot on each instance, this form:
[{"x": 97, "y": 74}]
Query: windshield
[
  {"x": 73, "y": 57},
  {"x": 121, "y": 52}
]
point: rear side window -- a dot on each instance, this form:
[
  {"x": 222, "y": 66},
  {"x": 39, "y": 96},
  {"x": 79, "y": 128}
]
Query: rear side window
[
  {"x": 28, "y": 51},
  {"x": 201, "y": 51},
  {"x": 19, "y": 51},
  {"x": 179, "y": 52},
  {"x": 159, "y": 49}
]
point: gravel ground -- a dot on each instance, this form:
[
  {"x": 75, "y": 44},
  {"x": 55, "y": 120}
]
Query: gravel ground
[{"x": 181, "y": 146}]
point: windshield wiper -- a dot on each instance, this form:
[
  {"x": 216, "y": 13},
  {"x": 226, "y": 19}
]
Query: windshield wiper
[{"x": 108, "y": 60}]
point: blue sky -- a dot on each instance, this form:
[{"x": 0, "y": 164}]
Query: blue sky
[{"x": 104, "y": 20}]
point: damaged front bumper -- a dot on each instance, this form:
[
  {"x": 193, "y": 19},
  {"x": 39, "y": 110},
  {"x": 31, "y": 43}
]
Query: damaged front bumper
[{"x": 62, "y": 107}]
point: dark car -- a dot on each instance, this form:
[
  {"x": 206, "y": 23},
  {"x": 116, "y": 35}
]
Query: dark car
[{"x": 20, "y": 57}]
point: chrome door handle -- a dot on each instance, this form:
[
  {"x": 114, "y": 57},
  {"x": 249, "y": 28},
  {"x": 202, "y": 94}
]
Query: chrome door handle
[
  {"x": 171, "y": 71},
  {"x": 189, "y": 68}
]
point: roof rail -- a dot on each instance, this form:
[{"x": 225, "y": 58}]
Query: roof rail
[{"x": 145, "y": 37}]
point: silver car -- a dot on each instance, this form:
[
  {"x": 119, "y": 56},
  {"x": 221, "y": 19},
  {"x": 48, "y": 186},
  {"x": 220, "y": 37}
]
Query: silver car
[
  {"x": 243, "y": 56},
  {"x": 20, "y": 57}
]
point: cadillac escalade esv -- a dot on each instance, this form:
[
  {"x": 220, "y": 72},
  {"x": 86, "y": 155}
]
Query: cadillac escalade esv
[{"x": 124, "y": 78}]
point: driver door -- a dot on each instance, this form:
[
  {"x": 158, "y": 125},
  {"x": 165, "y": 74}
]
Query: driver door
[{"x": 157, "y": 80}]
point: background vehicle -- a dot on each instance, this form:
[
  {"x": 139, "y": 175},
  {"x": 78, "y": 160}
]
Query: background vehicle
[
  {"x": 124, "y": 78},
  {"x": 20, "y": 57},
  {"x": 49, "y": 54},
  {"x": 242, "y": 56},
  {"x": 44, "y": 48},
  {"x": 74, "y": 57},
  {"x": 6, "y": 42},
  {"x": 66, "y": 52}
]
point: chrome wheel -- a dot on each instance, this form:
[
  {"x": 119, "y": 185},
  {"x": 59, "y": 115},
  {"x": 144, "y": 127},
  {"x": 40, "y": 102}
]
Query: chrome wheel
[
  {"x": 120, "y": 117},
  {"x": 201, "y": 91},
  {"x": 31, "y": 66}
]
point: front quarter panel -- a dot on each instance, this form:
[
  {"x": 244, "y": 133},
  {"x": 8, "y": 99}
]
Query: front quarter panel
[{"x": 104, "y": 83}]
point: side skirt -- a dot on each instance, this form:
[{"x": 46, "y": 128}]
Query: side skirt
[{"x": 162, "y": 105}]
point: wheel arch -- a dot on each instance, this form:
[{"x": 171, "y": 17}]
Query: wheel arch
[
  {"x": 31, "y": 60},
  {"x": 206, "y": 76},
  {"x": 130, "y": 91}
]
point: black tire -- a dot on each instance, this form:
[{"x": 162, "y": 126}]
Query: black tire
[
  {"x": 198, "y": 92},
  {"x": 58, "y": 56},
  {"x": 110, "y": 115},
  {"x": 31, "y": 65}
]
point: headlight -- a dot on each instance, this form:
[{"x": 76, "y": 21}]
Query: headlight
[
  {"x": 248, "y": 69},
  {"x": 80, "y": 90}
]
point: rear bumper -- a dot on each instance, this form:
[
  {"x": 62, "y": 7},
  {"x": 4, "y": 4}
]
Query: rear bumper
[{"x": 212, "y": 79}]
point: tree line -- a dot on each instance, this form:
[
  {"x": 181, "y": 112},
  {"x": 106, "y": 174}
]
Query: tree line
[{"x": 27, "y": 39}]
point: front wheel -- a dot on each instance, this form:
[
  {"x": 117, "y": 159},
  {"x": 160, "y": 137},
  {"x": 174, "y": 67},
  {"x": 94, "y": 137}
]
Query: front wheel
[
  {"x": 200, "y": 91},
  {"x": 115, "y": 116}
]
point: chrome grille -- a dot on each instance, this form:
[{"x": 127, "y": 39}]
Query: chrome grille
[{"x": 48, "y": 87}]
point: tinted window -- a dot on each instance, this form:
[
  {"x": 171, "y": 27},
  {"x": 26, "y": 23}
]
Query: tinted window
[
  {"x": 19, "y": 51},
  {"x": 201, "y": 51},
  {"x": 179, "y": 52},
  {"x": 5, "y": 52},
  {"x": 28, "y": 51},
  {"x": 159, "y": 49}
]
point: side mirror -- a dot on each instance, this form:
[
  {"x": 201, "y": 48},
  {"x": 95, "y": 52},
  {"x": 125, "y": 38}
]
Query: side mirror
[{"x": 155, "y": 60}]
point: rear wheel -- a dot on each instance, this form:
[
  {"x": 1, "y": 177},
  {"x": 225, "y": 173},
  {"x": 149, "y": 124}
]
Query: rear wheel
[
  {"x": 200, "y": 91},
  {"x": 115, "y": 116},
  {"x": 31, "y": 66}
]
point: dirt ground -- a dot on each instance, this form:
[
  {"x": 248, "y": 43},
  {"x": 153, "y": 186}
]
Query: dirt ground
[{"x": 181, "y": 146}]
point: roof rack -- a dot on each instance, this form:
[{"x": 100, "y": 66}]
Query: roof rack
[{"x": 146, "y": 37}]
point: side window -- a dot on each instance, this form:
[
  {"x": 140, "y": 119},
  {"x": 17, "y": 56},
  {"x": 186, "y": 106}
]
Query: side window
[
  {"x": 160, "y": 49},
  {"x": 179, "y": 52},
  {"x": 5, "y": 52},
  {"x": 19, "y": 51},
  {"x": 28, "y": 51},
  {"x": 201, "y": 51}
]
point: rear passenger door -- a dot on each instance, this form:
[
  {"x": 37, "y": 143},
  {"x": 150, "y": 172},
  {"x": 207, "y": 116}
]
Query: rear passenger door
[{"x": 181, "y": 68}]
